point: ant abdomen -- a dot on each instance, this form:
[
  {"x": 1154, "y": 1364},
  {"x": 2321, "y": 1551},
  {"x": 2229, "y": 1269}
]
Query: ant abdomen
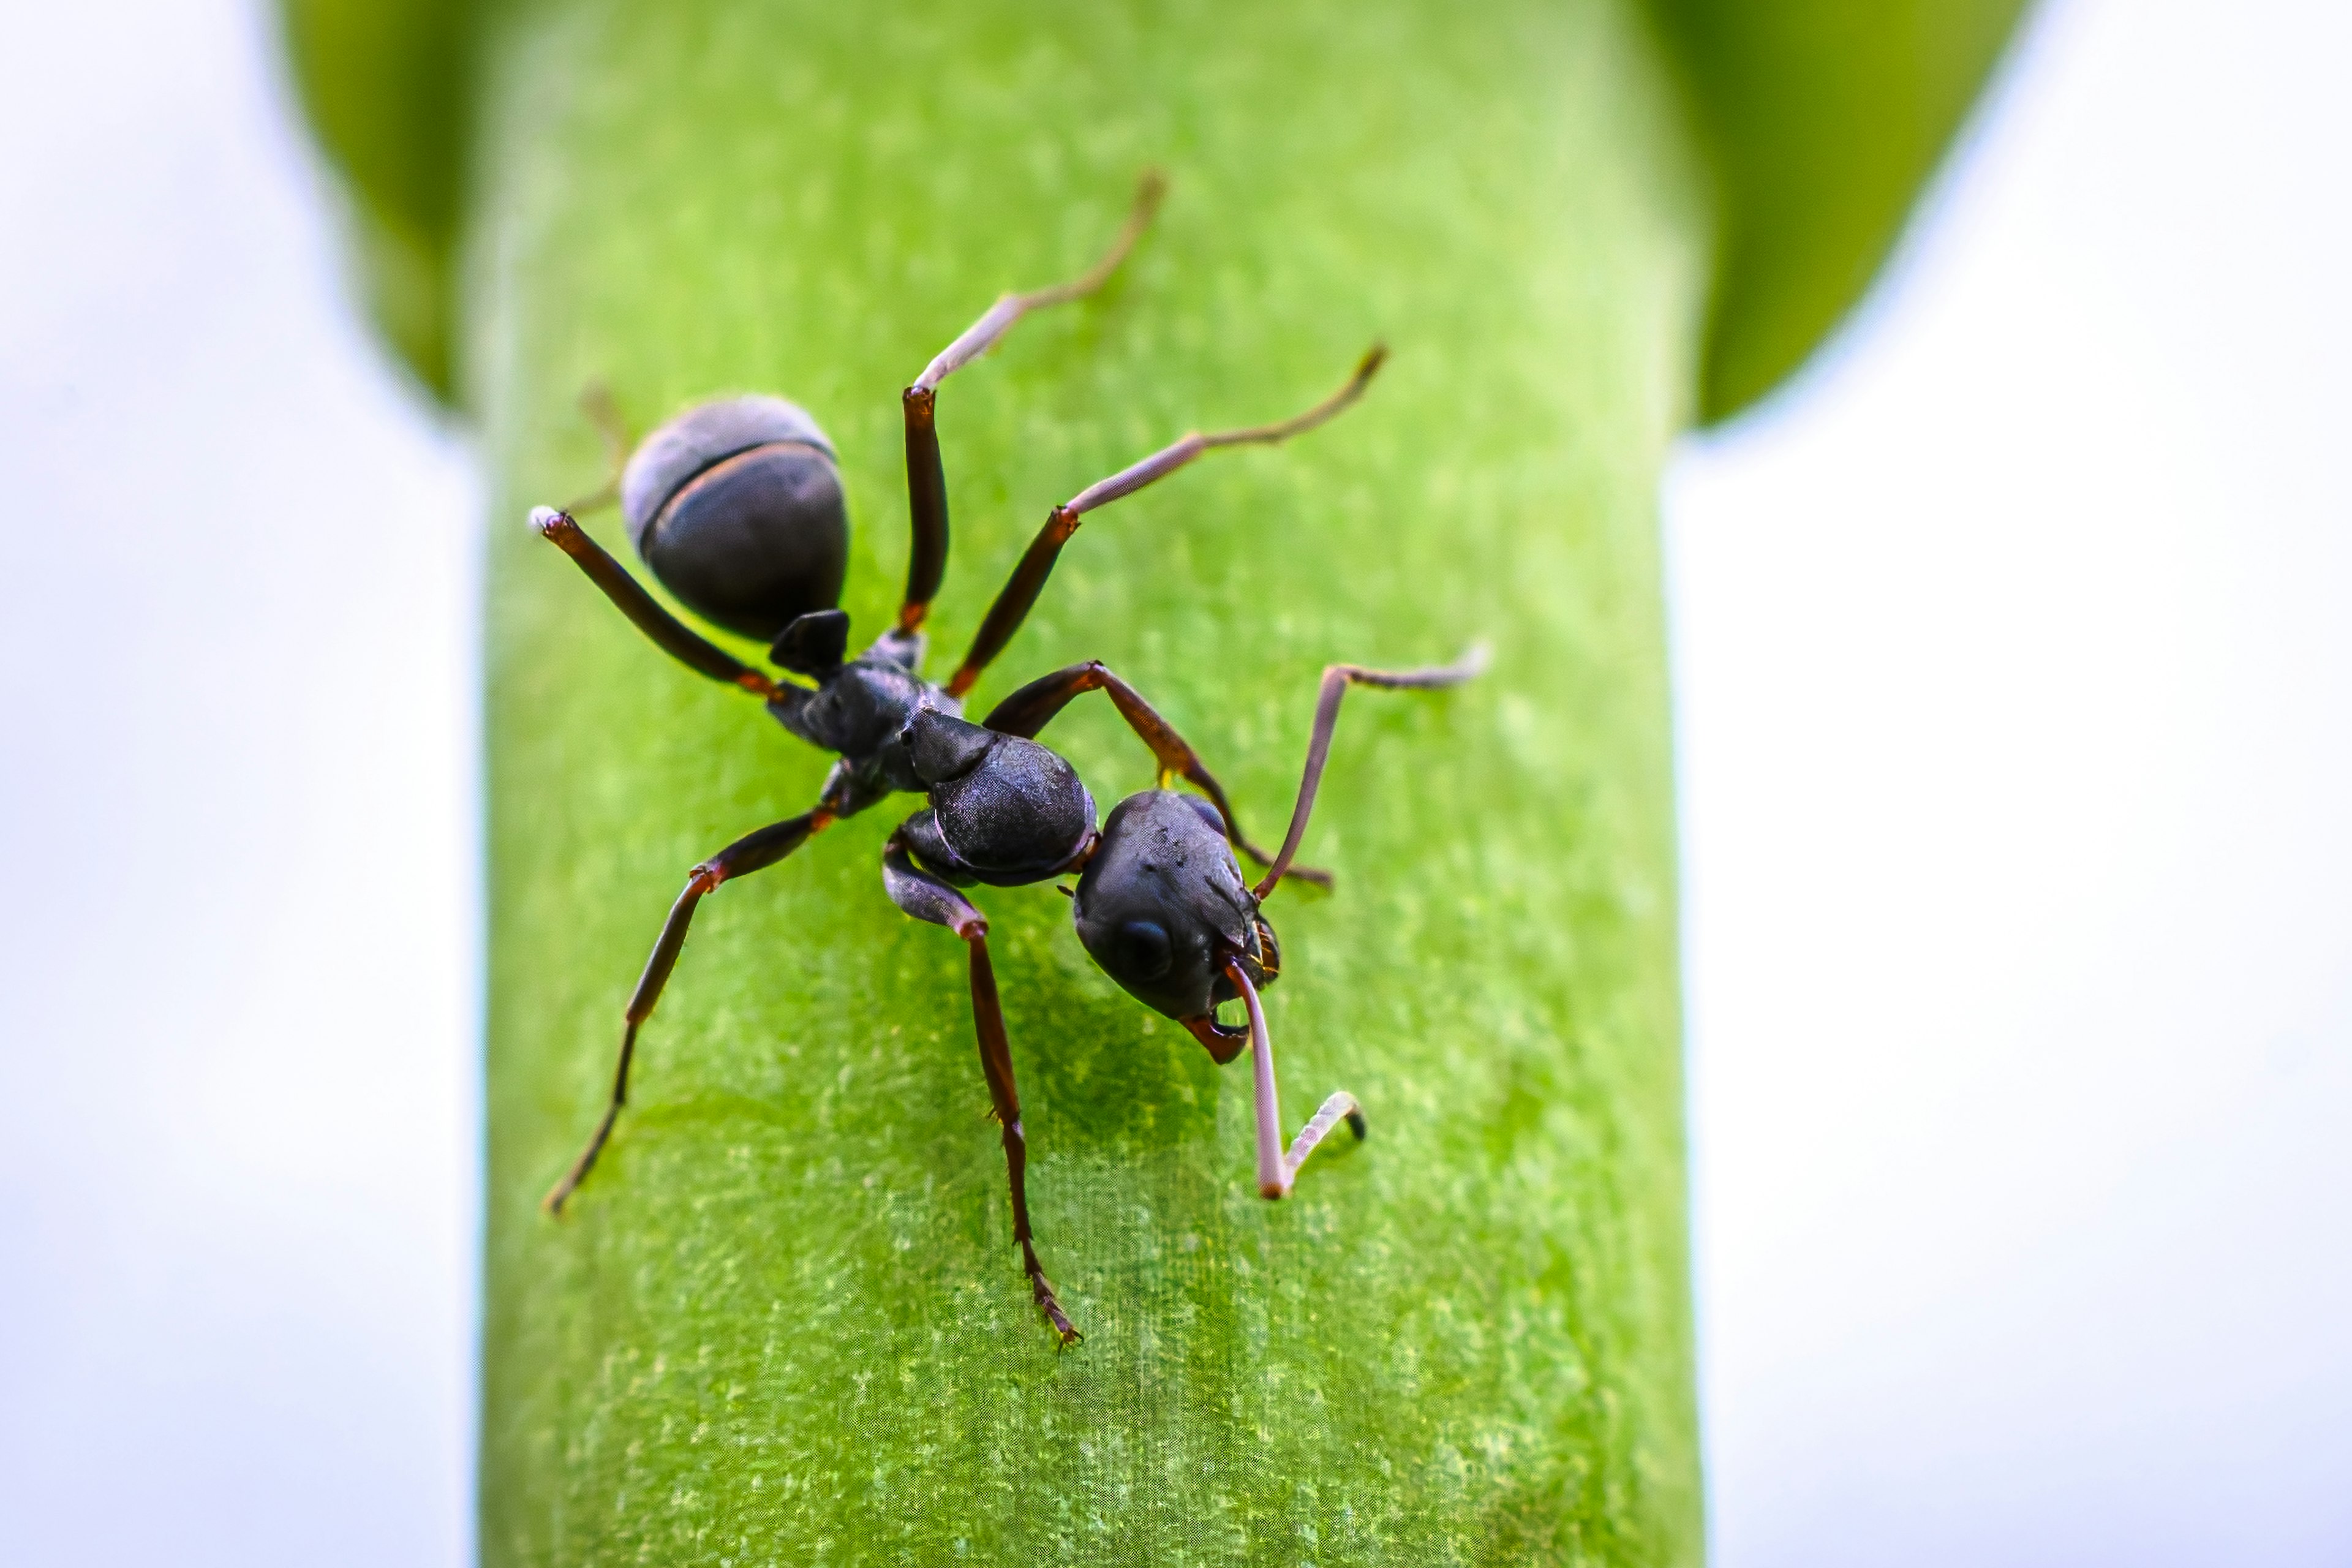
[{"x": 737, "y": 507}]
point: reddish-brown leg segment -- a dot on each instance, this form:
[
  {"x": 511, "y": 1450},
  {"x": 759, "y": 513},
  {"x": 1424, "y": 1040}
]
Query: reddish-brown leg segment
[
  {"x": 1035, "y": 705},
  {"x": 1336, "y": 681},
  {"x": 926, "y": 898},
  {"x": 672, "y": 636},
  {"x": 752, "y": 852},
  {"x": 926, "y": 482},
  {"x": 1020, "y": 593}
]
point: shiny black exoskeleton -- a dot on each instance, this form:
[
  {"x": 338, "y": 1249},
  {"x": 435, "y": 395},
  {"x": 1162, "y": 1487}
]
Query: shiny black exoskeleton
[
  {"x": 704, "y": 496},
  {"x": 1003, "y": 811},
  {"x": 738, "y": 508},
  {"x": 1162, "y": 908}
]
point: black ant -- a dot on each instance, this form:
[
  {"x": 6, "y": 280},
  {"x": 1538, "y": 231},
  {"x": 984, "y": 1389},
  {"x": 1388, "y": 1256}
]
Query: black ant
[{"x": 737, "y": 507}]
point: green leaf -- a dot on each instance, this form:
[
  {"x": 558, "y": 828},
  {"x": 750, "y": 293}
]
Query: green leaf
[
  {"x": 785, "y": 1321},
  {"x": 387, "y": 86},
  {"x": 1821, "y": 120}
]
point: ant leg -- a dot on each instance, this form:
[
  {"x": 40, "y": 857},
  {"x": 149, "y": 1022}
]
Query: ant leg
[
  {"x": 1276, "y": 1172},
  {"x": 926, "y": 898},
  {"x": 1336, "y": 681},
  {"x": 927, "y": 482},
  {"x": 1035, "y": 706},
  {"x": 752, "y": 852},
  {"x": 1020, "y": 591},
  {"x": 597, "y": 403},
  {"x": 673, "y": 636}
]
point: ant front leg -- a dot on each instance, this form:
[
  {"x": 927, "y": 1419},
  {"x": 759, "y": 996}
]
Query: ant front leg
[
  {"x": 1277, "y": 1171},
  {"x": 1020, "y": 593},
  {"x": 1035, "y": 706},
  {"x": 1336, "y": 681},
  {"x": 753, "y": 852},
  {"x": 927, "y": 480},
  {"x": 669, "y": 634},
  {"x": 926, "y": 898}
]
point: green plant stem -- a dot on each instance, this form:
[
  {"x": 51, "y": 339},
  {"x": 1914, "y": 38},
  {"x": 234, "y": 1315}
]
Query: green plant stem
[{"x": 785, "y": 1321}]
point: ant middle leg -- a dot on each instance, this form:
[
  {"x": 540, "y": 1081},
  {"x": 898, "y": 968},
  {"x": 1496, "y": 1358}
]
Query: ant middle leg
[
  {"x": 1020, "y": 591},
  {"x": 1035, "y": 706},
  {"x": 752, "y": 852},
  {"x": 926, "y": 482},
  {"x": 928, "y": 898}
]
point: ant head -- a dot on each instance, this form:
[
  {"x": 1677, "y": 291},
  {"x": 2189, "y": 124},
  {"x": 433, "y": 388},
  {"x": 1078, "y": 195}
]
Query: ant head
[
  {"x": 1161, "y": 906},
  {"x": 737, "y": 507},
  {"x": 1012, "y": 812}
]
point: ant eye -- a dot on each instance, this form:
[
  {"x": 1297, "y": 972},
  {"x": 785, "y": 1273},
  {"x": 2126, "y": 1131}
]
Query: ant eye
[{"x": 1144, "y": 950}]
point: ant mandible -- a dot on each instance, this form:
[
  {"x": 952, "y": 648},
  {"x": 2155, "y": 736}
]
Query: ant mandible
[{"x": 736, "y": 506}]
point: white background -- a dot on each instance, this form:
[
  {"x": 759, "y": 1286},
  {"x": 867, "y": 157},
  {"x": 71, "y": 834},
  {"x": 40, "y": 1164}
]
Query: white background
[{"x": 2015, "y": 673}]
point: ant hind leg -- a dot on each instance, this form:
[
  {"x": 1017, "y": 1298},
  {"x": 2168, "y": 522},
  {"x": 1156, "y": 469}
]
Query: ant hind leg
[
  {"x": 927, "y": 482},
  {"x": 669, "y": 634}
]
